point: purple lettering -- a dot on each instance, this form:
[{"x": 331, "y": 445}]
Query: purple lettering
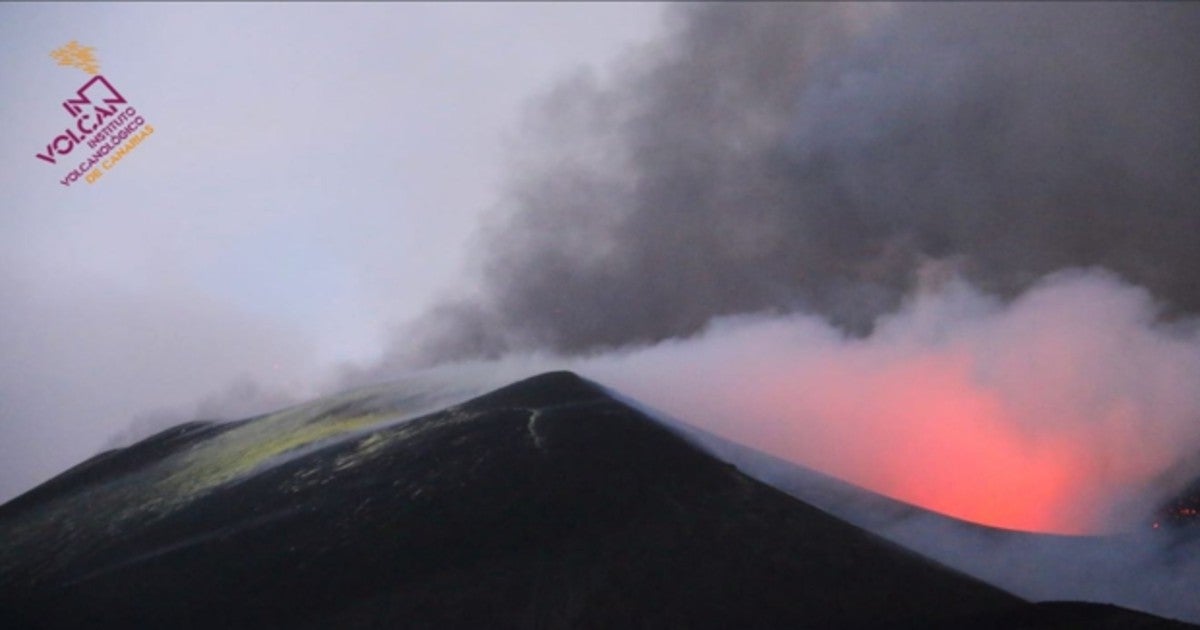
[
  {"x": 79, "y": 124},
  {"x": 70, "y": 145}
]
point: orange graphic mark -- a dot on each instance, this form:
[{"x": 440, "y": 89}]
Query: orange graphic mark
[{"x": 79, "y": 56}]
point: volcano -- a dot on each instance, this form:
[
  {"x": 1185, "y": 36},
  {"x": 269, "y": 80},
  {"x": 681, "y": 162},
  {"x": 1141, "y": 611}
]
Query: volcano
[{"x": 546, "y": 503}]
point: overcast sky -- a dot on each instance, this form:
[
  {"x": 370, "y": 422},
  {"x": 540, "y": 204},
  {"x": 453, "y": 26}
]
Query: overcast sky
[{"x": 315, "y": 176}]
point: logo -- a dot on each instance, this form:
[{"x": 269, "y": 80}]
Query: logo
[{"x": 105, "y": 127}]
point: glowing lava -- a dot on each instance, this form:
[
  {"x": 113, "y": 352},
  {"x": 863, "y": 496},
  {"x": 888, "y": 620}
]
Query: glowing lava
[
  {"x": 1060, "y": 411},
  {"x": 941, "y": 442}
]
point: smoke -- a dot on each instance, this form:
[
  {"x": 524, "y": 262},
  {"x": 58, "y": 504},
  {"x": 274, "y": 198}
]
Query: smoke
[
  {"x": 243, "y": 398},
  {"x": 1068, "y": 410},
  {"x": 83, "y": 356},
  {"x": 772, "y": 195},
  {"x": 813, "y": 157},
  {"x": 1154, "y": 570},
  {"x": 824, "y": 168}
]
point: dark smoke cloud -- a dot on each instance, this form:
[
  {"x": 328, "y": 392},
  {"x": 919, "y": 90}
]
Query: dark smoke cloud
[{"x": 772, "y": 158}]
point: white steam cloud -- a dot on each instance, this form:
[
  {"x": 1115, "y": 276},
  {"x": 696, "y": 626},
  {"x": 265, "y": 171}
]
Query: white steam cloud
[{"x": 1072, "y": 409}]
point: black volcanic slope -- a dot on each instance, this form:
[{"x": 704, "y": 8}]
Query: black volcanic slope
[{"x": 543, "y": 504}]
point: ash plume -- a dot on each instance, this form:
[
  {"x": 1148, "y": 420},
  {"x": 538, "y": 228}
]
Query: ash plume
[{"x": 781, "y": 158}]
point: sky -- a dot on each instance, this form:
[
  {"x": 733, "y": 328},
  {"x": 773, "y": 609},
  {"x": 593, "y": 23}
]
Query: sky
[{"x": 314, "y": 177}]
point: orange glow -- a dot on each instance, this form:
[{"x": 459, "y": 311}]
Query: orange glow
[
  {"x": 921, "y": 431},
  {"x": 959, "y": 455},
  {"x": 1060, "y": 411}
]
